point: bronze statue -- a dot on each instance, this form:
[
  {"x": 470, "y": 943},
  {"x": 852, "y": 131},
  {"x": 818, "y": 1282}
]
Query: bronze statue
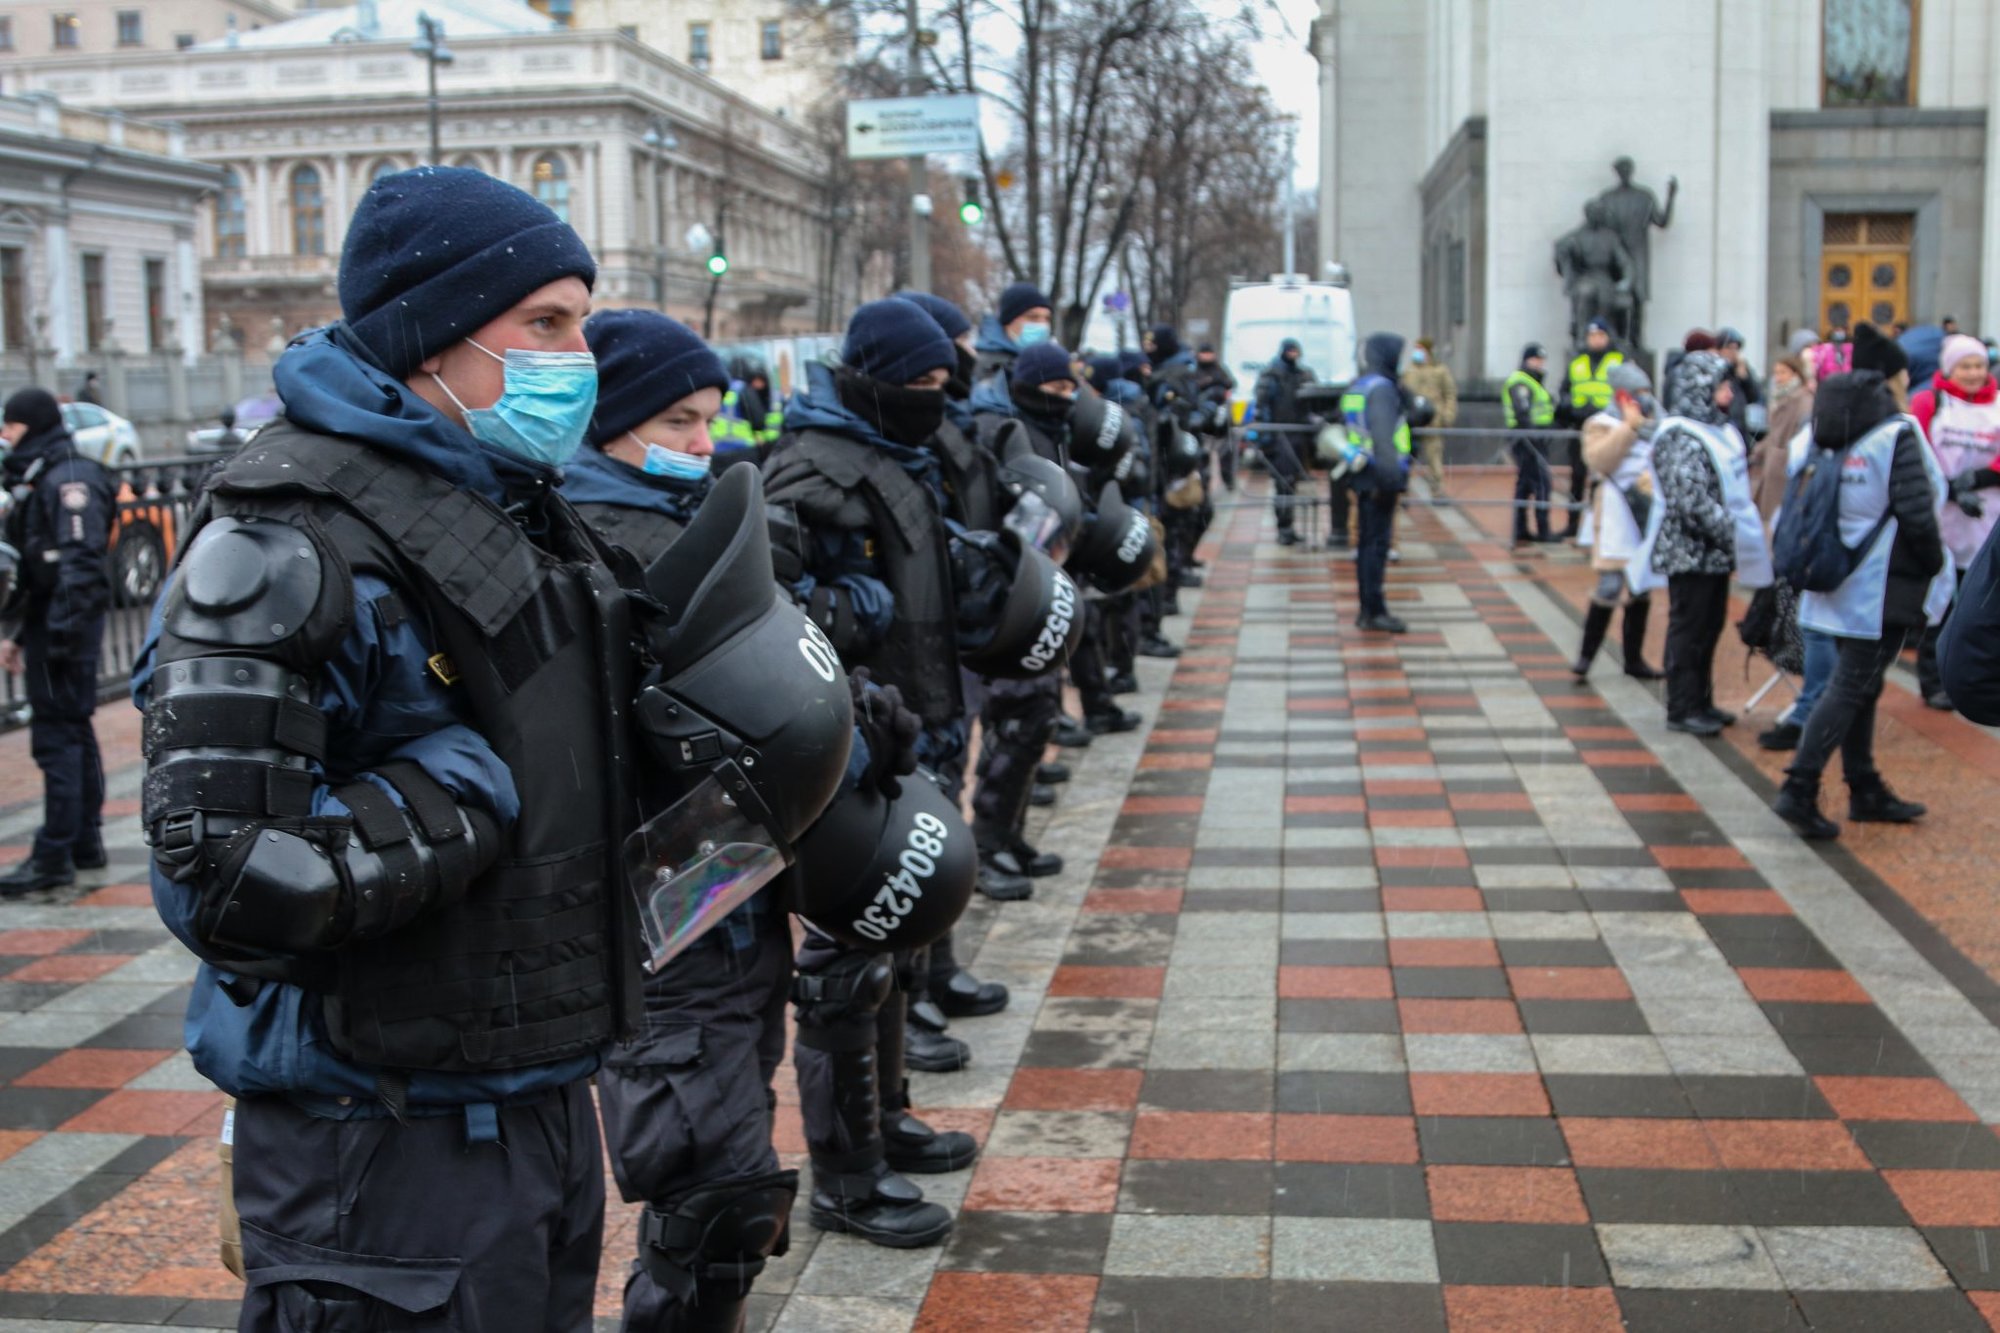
[
  {"x": 1633, "y": 211},
  {"x": 1596, "y": 270}
]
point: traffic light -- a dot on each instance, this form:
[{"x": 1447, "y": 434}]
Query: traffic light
[
  {"x": 972, "y": 212},
  {"x": 718, "y": 264}
]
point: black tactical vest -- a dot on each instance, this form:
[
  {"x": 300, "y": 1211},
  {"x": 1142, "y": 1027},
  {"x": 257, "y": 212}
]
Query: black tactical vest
[
  {"x": 920, "y": 653},
  {"x": 539, "y": 961},
  {"x": 969, "y": 476},
  {"x": 646, "y": 533}
]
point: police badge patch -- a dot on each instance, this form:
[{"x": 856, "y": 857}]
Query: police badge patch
[{"x": 75, "y": 496}]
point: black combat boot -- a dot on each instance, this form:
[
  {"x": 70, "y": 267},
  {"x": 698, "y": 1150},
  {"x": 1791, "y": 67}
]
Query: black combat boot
[
  {"x": 1072, "y": 734},
  {"x": 1869, "y": 801},
  {"x": 1054, "y": 773},
  {"x": 956, "y": 991},
  {"x": 1637, "y": 610},
  {"x": 1798, "y": 805},
  {"x": 33, "y": 876},
  {"x": 1111, "y": 719},
  {"x": 1596, "y": 622},
  {"x": 908, "y": 1144},
  {"x": 879, "y": 1206}
]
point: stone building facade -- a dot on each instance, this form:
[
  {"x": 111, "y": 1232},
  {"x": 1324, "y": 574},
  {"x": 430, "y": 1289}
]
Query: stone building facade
[
  {"x": 1837, "y": 161},
  {"x": 633, "y": 148}
]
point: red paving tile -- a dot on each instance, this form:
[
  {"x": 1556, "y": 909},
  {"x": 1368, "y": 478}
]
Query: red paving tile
[
  {"x": 1568, "y": 983},
  {"x": 1618, "y": 758},
  {"x": 1432, "y": 899},
  {"x": 1514, "y": 801},
  {"x": 70, "y": 967},
  {"x": 1988, "y": 1305},
  {"x": 1459, "y": 1015},
  {"x": 1129, "y": 982},
  {"x": 1427, "y": 858},
  {"x": 1863, "y": 1097},
  {"x": 1074, "y": 1089},
  {"x": 1677, "y": 1145},
  {"x": 1699, "y": 858},
  {"x": 1045, "y": 1184},
  {"x": 1444, "y": 953},
  {"x": 1345, "y": 1138},
  {"x": 1655, "y": 803},
  {"x": 1216, "y": 1136},
  {"x": 118, "y": 895},
  {"x": 1948, "y": 1198},
  {"x": 1325, "y": 805},
  {"x": 1132, "y": 900},
  {"x": 1163, "y": 805},
  {"x": 1335, "y": 983},
  {"x": 1786, "y": 1145},
  {"x": 1532, "y": 1310},
  {"x": 1478, "y": 1094},
  {"x": 1182, "y": 736},
  {"x": 25, "y": 942},
  {"x": 1819, "y": 985},
  {"x": 1008, "y": 1303},
  {"x": 13, "y": 1140},
  {"x": 1158, "y": 760},
  {"x": 129, "y": 1112},
  {"x": 1505, "y": 1194},
  {"x": 90, "y": 1068},
  {"x": 1735, "y": 902},
  {"x": 1145, "y": 858}
]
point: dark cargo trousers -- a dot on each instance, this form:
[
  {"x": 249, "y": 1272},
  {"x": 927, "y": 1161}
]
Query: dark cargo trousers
[
  {"x": 688, "y": 1102},
  {"x": 462, "y": 1221}
]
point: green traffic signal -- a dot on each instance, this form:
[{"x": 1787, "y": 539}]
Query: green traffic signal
[
  {"x": 971, "y": 213},
  {"x": 718, "y": 264}
]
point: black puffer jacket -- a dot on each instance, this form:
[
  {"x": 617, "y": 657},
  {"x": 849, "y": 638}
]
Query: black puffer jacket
[{"x": 1846, "y": 408}]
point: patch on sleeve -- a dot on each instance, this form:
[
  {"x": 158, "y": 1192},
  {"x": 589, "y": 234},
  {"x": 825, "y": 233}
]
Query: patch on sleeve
[{"x": 75, "y": 495}]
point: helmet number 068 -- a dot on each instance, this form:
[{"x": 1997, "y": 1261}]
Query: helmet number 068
[
  {"x": 901, "y": 889},
  {"x": 819, "y": 654}
]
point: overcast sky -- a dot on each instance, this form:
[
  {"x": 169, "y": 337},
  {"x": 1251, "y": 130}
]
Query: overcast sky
[{"x": 1293, "y": 76}]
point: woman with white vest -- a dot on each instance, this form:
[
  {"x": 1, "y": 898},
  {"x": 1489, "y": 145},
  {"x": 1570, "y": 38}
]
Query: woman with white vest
[
  {"x": 1618, "y": 447},
  {"x": 1960, "y": 415},
  {"x": 1888, "y": 477},
  {"x": 1707, "y": 529}
]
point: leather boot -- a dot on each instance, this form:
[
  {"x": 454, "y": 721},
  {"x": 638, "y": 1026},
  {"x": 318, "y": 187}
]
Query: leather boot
[
  {"x": 923, "y": 1044},
  {"x": 956, "y": 991},
  {"x": 1053, "y": 773},
  {"x": 879, "y": 1206},
  {"x": 1124, "y": 682},
  {"x": 1035, "y": 864},
  {"x": 89, "y": 853},
  {"x": 1073, "y": 735},
  {"x": 1637, "y": 610},
  {"x": 1001, "y": 884},
  {"x": 1041, "y": 795},
  {"x": 32, "y": 876},
  {"x": 908, "y": 1144},
  {"x": 1596, "y": 621},
  {"x": 1111, "y": 719},
  {"x": 1798, "y": 805},
  {"x": 1870, "y": 801}
]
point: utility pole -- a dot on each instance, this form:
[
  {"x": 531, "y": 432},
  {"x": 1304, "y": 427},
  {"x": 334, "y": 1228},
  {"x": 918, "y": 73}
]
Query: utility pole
[
  {"x": 430, "y": 45},
  {"x": 1285, "y": 200},
  {"x": 919, "y": 201}
]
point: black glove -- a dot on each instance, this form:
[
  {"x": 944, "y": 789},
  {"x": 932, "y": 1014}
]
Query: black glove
[
  {"x": 1965, "y": 494},
  {"x": 888, "y": 729}
]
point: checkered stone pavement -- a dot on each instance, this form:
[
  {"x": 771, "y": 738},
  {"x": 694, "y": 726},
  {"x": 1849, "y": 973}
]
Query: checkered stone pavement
[{"x": 1393, "y": 984}]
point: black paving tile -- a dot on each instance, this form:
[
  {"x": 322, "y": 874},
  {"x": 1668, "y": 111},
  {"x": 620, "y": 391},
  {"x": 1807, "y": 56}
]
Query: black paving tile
[
  {"x": 1338, "y": 1016},
  {"x": 989, "y": 1242},
  {"x": 1709, "y": 1311},
  {"x": 1492, "y": 1141},
  {"x": 1347, "y": 1189},
  {"x": 1333, "y": 953},
  {"x": 1617, "y": 1017},
  {"x": 1616, "y": 1095},
  {"x": 1875, "y": 1311},
  {"x": 1970, "y": 1254},
  {"x": 1619, "y": 1194},
  {"x": 1801, "y": 1018},
  {"x": 1519, "y": 1255},
  {"x": 1555, "y": 953},
  {"x": 1305, "y": 1092},
  {"x": 1196, "y": 1188},
  {"x": 44, "y": 1108},
  {"x": 1755, "y": 1097},
  {"x": 1451, "y": 983},
  {"x": 1207, "y": 1090},
  {"x": 1356, "y": 1307},
  {"x": 1889, "y": 1054},
  {"x": 1926, "y": 1145},
  {"x": 1816, "y": 1199}
]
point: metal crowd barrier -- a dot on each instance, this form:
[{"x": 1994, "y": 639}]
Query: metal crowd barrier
[
  {"x": 1472, "y": 446},
  {"x": 155, "y": 498}
]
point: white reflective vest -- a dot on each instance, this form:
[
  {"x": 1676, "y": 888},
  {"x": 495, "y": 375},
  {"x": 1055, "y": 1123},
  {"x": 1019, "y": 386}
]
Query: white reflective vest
[
  {"x": 1731, "y": 462},
  {"x": 1966, "y": 437},
  {"x": 1854, "y": 609}
]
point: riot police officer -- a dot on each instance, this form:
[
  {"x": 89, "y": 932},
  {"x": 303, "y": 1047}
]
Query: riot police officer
[
  {"x": 59, "y": 523},
  {"x": 385, "y": 796},
  {"x": 1022, "y": 318},
  {"x": 877, "y": 567}
]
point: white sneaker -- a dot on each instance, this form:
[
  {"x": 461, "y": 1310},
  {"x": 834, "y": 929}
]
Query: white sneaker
[{"x": 1395, "y": 556}]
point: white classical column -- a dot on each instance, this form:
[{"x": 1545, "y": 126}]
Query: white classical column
[
  {"x": 187, "y": 297},
  {"x": 1326, "y": 49},
  {"x": 262, "y": 208},
  {"x": 1740, "y": 290},
  {"x": 1989, "y": 249},
  {"x": 62, "y": 293},
  {"x": 336, "y": 228}
]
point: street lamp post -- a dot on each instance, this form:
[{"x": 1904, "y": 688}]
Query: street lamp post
[
  {"x": 661, "y": 139},
  {"x": 430, "y": 45}
]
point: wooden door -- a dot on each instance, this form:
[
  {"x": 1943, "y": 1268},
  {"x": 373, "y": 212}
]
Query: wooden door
[{"x": 1865, "y": 269}]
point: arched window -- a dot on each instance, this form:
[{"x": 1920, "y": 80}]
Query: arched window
[
  {"x": 551, "y": 182},
  {"x": 308, "y": 212},
  {"x": 469, "y": 162},
  {"x": 387, "y": 166},
  {"x": 231, "y": 233}
]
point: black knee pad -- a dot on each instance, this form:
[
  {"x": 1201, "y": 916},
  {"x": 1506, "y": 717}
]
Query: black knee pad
[{"x": 716, "y": 1238}]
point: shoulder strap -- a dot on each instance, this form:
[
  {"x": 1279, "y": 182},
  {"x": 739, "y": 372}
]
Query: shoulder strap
[
  {"x": 472, "y": 553},
  {"x": 850, "y": 464}
]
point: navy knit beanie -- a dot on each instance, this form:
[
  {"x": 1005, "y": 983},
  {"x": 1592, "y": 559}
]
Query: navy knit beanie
[
  {"x": 1019, "y": 299},
  {"x": 948, "y": 316},
  {"x": 436, "y": 253},
  {"x": 1166, "y": 342},
  {"x": 34, "y": 408},
  {"x": 896, "y": 342},
  {"x": 645, "y": 364},
  {"x": 1103, "y": 370},
  {"x": 1041, "y": 363},
  {"x": 1129, "y": 361}
]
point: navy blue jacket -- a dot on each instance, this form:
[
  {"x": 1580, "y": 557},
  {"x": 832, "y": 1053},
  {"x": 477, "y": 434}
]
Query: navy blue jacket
[
  {"x": 381, "y": 704},
  {"x": 60, "y": 522}
]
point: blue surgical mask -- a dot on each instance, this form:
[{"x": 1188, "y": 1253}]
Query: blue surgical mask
[
  {"x": 1418, "y": 357},
  {"x": 544, "y": 405},
  {"x": 670, "y": 463},
  {"x": 1033, "y": 333}
]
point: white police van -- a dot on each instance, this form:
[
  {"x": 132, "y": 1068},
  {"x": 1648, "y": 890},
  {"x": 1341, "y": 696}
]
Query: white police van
[{"x": 1261, "y": 315}]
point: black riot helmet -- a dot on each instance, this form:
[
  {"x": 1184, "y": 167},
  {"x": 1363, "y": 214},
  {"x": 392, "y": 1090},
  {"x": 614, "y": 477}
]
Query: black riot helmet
[
  {"x": 1419, "y": 411},
  {"x": 1100, "y": 433},
  {"x": 1180, "y": 452},
  {"x": 749, "y": 688},
  {"x": 1040, "y": 619},
  {"x": 1046, "y": 506},
  {"x": 1116, "y": 547},
  {"x": 886, "y": 874}
]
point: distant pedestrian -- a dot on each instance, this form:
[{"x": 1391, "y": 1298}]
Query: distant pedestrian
[
  {"x": 1900, "y": 583},
  {"x": 1278, "y": 405},
  {"x": 1960, "y": 414},
  {"x": 61, "y": 524},
  {"x": 1374, "y": 410},
  {"x": 1586, "y": 391},
  {"x": 1708, "y": 530},
  {"x": 1530, "y": 406},
  {"x": 88, "y": 391},
  {"x": 1431, "y": 378},
  {"x": 1791, "y": 400},
  {"x": 1618, "y": 448}
]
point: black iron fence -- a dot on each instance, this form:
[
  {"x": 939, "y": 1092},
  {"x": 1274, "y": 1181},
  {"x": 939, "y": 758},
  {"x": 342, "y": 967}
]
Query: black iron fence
[{"x": 155, "y": 499}]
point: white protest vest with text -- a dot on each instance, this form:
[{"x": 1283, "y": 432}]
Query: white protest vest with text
[
  {"x": 1854, "y": 609},
  {"x": 1731, "y": 462}
]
